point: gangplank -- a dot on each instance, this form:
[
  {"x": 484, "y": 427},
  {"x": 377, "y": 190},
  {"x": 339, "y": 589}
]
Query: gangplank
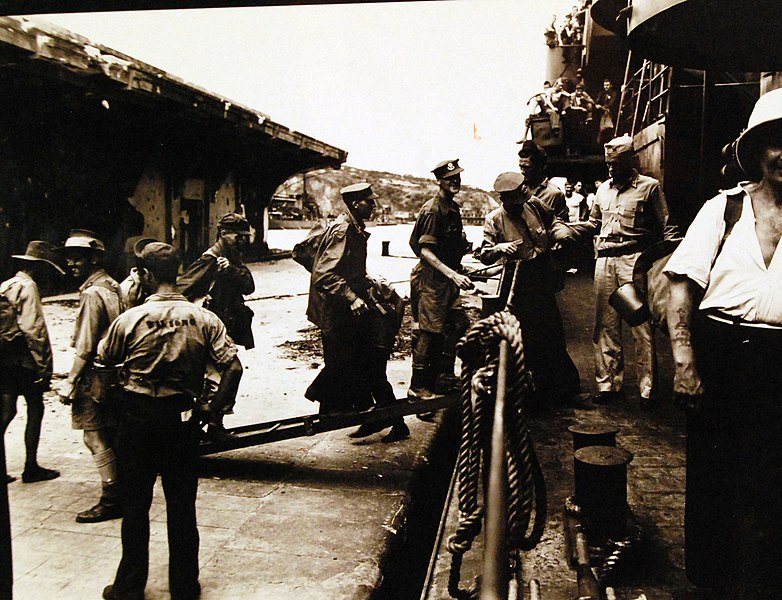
[{"x": 285, "y": 429}]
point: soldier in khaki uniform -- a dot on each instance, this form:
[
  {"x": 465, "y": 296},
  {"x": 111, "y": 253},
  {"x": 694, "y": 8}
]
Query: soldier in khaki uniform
[
  {"x": 26, "y": 362},
  {"x": 164, "y": 345},
  {"x": 438, "y": 239},
  {"x": 99, "y": 305}
]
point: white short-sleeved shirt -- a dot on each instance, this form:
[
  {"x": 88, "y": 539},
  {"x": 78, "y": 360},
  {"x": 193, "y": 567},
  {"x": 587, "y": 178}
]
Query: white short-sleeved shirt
[{"x": 738, "y": 283}]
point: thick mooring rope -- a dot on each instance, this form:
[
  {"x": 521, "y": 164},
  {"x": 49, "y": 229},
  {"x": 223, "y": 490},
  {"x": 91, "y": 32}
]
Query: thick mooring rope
[{"x": 479, "y": 352}]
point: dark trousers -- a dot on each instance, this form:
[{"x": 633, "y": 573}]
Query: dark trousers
[
  {"x": 154, "y": 441},
  {"x": 534, "y": 303},
  {"x": 733, "y": 510}
]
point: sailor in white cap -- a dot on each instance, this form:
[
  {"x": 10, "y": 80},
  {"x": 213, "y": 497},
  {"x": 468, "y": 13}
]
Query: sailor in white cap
[
  {"x": 725, "y": 324},
  {"x": 99, "y": 304},
  {"x": 630, "y": 214},
  {"x": 26, "y": 359}
]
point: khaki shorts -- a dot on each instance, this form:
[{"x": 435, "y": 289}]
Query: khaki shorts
[
  {"x": 88, "y": 415},
  {"x": 437, "y": 297}
]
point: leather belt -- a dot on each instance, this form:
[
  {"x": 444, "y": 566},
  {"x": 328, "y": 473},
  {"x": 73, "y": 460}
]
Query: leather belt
[
  {"x": 621, "y": 250},
  {"x": 721, "y": 317}
]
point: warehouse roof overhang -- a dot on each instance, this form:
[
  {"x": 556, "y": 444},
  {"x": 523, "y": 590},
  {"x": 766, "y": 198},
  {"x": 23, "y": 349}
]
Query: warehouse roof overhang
[{"x": 33, "y": 51}]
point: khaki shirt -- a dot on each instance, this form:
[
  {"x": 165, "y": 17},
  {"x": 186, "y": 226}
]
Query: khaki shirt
[
  {"x": 23, "y": 293},
  {"x": 99, "y": 305},
  {"x": 550, "y": 195},
  {"x": 634, "y": 214},
  {"x": 164, "y": 345}
]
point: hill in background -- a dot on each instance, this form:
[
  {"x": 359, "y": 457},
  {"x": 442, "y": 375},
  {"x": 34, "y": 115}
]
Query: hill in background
[{"x": 399, "y": 195}]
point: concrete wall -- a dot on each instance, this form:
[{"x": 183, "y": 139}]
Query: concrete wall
[{"x": 149, "y": 199}]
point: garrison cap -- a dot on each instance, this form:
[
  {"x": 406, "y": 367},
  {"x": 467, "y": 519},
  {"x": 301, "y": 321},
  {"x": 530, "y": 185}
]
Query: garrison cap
[
  {"x": 508, "y": 182},
  {"x": 40, "y": 251},
  {"x": 356, "y": 192},
  {"x": 155, "y": 253},
  {"x": 84, "y": 238},
  {"x": 618, "y": 147},
  {"x": 447, "y": 168},
  {"x": 234, "y": 222}
]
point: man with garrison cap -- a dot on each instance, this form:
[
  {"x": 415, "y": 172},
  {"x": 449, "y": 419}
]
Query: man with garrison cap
[
  {"x": 163, "y": 346},
  {"x": 630, "y": 214},
  {"x": 99, "y": 305},
  {"x": 342, "y": 303},
  {"x": 221, "y": 279},
  {"x": 520, "y": 234},
  {"x": 439, "y": 241},
  {"x": 26, "y": 360}
]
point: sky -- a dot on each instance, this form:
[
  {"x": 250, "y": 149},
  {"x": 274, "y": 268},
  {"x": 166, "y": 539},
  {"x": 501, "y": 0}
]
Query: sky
[{"x": 399, "y": 86}]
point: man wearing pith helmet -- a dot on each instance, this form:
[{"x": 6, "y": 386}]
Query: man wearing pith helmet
[
  {"x": 439, "y": 241},
  {"x": 629, "y": 215},
  {"x": 725, "y": 323},
  {"x": 342, "y": 305},
  {"x": 520, "y": 234},
  {"x": 99, "y": 305}
]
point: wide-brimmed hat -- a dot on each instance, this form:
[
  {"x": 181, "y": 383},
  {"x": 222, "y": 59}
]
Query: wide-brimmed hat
[
  {"x": 766, "y": 115},
  {"x": 84, "y": 238},
  {"x": 38, "y": 250}
]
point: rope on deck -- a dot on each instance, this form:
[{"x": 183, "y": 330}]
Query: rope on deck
[{"x": 479, "y": 352}]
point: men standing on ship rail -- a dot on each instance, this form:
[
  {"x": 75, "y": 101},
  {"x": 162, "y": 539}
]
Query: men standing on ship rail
[{"x": 439, "y": 241}]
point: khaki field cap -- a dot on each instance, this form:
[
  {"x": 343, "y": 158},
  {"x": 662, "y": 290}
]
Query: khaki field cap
[
  {"x": 447, "y": 168},
  {"x": 619, "y": 147},
  {"x": 157, "y": 252},
  {"x": 767, "y": 114},
  {"x": 234, "y": 222},
  {"x": 84, "y": 238},
  {"x": 356, "y": 192},
  {"x": 41, "y": 252},
  {"x": 508, "y": 182}
]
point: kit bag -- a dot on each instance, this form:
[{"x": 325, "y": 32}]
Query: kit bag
[{"x": 304, "y": 252}]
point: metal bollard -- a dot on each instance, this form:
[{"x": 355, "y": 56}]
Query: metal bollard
[
  {"x": 585, "y": 434},
  {"x": 384, "y": 250}
]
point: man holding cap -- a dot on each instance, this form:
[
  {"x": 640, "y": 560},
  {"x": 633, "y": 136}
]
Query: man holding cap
[
  {"x": 341, "y": 305},
  {"x": 164, "y": 345},
  {"x": 438, "y": 239},
  {"x": 630, "y": 214},
  {"x": 26, "y": 361},
  {"x": 520, "y": 234},
  {"x": 99, "y": 305}
]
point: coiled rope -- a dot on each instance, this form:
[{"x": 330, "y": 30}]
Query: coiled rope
[{"x": 479, "y": 352}]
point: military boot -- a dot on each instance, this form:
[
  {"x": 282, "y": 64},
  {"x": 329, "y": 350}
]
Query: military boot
[{"x": 107, "y": 508}]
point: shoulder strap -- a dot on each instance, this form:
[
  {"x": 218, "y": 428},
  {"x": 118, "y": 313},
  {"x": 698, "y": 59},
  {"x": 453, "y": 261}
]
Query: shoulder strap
[{"x": 733, "y": 206}]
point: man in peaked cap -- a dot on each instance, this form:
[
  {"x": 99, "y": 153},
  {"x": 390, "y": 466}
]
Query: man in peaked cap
[
  {"x": 99, "y": 305},
  {"x": 520, "y": 234},
  {"x": 629, "y": 214},
  {"x": 342, "y": 304},
  {"x": 220, "y": 278},
  {"x": 26, "y": 362},
  {"x": 439, "y": 241},
  {"x": 164, "y": 345}
]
